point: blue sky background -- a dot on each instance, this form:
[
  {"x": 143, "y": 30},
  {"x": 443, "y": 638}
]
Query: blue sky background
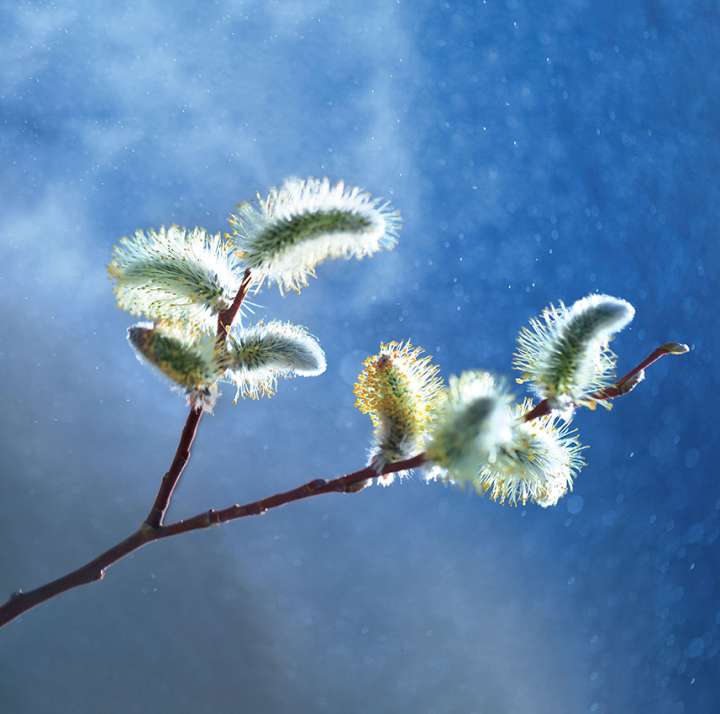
[{"x": 537, "y": 152}]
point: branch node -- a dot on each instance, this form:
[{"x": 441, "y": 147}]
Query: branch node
[
  {"x": 356, "y": 487},
  {"x": 628, "y": 385},
  {"x": 148, "y": 530}
]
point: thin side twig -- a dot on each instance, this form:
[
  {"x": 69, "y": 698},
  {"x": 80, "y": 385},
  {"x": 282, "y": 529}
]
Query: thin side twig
[
  {"x": 623, "y": 386},
  {"x": 227, "y": 317}
]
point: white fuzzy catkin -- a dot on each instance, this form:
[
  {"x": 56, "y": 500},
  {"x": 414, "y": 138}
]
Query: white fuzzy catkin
[
  {"x": 473, "y": 423},
  {"x": 537, "y": 465},
  {"x": 257, "y": 356},
  {"x": 305, "y": 222},
  {"x": 189, "y": 362},
  {"x": 175, "y": 275},
  {"x": 564, "y": 353}
]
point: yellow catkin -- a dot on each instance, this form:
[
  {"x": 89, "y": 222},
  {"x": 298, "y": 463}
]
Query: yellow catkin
[{"x": 398, "y": 389}]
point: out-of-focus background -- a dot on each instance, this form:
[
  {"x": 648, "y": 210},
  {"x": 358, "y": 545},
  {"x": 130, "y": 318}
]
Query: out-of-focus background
[{"x": 537, "y": 152}]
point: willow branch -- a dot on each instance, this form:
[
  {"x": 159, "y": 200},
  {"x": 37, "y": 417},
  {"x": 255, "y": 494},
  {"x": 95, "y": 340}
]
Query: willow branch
[
  {"x": 149, "y": 531},
  {"x": 182, "y": 455}
]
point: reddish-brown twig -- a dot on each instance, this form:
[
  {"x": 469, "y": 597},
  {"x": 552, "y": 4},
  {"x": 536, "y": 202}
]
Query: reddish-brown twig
[
  {"x": 629, "y": 381},
  {"x": 342, "y": 484},
  {"x": 94, "y": 570},
  {"x": 227, "y": 317}
]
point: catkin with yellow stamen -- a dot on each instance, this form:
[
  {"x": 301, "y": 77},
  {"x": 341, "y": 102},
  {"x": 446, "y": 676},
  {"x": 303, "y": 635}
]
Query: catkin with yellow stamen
[
  {"x": 538, "y": 464},
  {"x": 398, "y": 389}
]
